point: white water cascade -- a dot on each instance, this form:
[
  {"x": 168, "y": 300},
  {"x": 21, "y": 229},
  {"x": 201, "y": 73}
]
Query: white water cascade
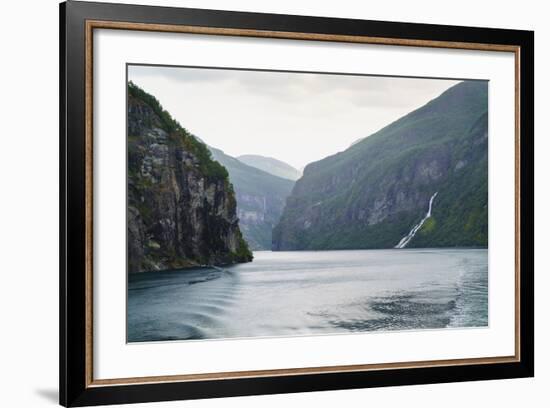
[{"x": 407, "y": 238}]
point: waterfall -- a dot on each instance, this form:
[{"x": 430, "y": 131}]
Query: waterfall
[{"x": 407, "y": 238}]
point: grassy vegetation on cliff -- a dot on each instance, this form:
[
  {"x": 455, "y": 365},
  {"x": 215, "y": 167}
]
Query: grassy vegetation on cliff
[{"x": 209, "y": 167}]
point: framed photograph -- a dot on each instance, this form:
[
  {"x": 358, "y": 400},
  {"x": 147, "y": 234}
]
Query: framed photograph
[{"x": 256, "y": 203}]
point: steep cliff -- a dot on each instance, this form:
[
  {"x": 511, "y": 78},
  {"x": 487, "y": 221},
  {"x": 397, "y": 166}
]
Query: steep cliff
[
  {"x": 373, "y": 193},
  {"x": 260, "y": 199},
  {"x": 181, "y": 205}
]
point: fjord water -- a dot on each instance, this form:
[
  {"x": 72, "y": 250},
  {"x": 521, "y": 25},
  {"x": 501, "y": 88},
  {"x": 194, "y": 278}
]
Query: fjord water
[{"x": 309, "y": 292}]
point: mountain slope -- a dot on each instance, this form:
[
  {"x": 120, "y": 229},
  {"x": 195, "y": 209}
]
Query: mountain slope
[
  {"x": 181, "y": 205},
  {"x": 272, "y": 166},
  {"x": 373, "y": 193},
  {"x": 260, "y": 199}
]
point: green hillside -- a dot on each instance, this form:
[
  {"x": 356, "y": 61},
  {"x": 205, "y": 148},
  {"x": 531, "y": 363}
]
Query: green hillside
[{"x": 373, "y": 193}]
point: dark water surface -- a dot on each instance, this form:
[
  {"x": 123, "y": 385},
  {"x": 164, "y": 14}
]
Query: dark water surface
[{"x": 305, "y": 293}]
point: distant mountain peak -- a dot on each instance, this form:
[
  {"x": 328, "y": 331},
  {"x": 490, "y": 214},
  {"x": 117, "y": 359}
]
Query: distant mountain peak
[
  {"x": 260, "y": 197},
  {"x": 271, "y": 165}
]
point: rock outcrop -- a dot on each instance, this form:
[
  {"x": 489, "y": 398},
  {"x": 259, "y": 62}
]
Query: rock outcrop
[{"x": 181, "y": 205}]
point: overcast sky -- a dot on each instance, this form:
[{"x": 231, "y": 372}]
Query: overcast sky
[{"x": 296, "y": 118}]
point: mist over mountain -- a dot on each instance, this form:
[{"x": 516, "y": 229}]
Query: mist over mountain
[
  {"x": 372, "y": 194},
  {"x": 271, "y": 165}
]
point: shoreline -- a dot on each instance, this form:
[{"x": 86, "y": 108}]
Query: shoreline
[
  {"x": 221, "y": 267},
  {"x": 375, "y": 249}
]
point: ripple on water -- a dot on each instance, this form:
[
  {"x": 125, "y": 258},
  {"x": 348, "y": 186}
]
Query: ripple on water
[{"x": 308, "y": 293}]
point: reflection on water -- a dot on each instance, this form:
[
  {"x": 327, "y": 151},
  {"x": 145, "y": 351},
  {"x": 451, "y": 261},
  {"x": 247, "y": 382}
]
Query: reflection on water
[{"x": 305, "y": 293}]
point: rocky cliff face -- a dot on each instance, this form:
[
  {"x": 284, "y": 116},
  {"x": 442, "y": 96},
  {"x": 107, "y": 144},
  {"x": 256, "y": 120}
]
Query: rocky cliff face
[
  {"x": 260, "y": 199},
  {"x": 372, "y": 194},
  {"x": 181, "y": 206}
]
